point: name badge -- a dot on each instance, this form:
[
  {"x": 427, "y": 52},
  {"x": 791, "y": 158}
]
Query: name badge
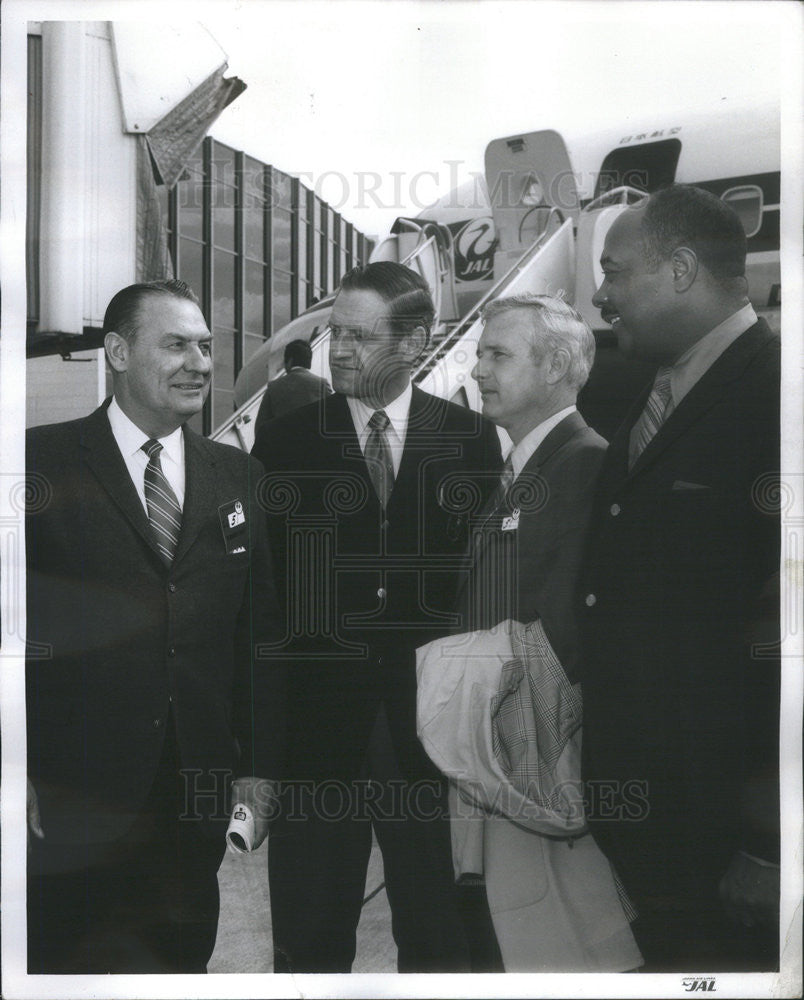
[
  {"x": 233, "y": 525},
  {"x": 511, "y": 523}
]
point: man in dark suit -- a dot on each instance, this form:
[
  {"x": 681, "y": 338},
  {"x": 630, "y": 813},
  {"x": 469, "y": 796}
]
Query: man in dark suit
[
  {"x": 295, "y": 388},
  {"x": 680, "y": 663},
  {"x": 366, "y": 527},
  {"x": 533, "y": 358},
  {"x": 149, "y": 585}
]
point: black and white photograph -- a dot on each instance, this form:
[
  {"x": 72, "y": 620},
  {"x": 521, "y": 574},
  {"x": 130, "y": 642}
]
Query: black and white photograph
[{"x": 401, "y": 498}]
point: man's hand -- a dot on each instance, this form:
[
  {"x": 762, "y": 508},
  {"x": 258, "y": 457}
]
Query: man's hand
[
  {"x": 32, "y": 810},
  {"x": 260, "y": 795},
  {"x": 749, "y": 892}
]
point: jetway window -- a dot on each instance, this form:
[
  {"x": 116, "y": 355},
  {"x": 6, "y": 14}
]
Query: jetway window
[
  {"x": 191, "y": 200},
  {"x": 281, "y": 297},
  {"x": 257, "y": 247},
  {"x": 300, "y": 254},
  {"x": 224, "y": 197},
  {"x": 191, "y": 264},
  {"x": 316, "y": 238},
  {"x": 254, "y": 208},
  {"x": 34, "y": 175},
  {"x": 646, "y": 167}
]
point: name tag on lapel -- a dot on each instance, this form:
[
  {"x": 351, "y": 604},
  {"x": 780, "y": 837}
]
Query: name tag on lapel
[
  {"x": 233, "y": 525},
  {"x": 511, "y": 523}
]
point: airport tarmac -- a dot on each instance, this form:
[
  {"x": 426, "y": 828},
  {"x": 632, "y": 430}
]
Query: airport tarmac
[{"x": 244, "y": 929}]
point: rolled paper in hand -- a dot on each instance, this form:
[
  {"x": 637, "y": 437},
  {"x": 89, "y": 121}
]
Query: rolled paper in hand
[{"x": 240, "y": 835}]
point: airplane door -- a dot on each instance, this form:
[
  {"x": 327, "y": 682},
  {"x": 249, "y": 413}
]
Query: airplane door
[{"x": 528, "y": 175}]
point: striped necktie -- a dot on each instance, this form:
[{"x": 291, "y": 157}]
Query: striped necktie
[
  {"x": 378, "y": 457},
  {"x": 164, "y": 512},
  {"x": 650, "y": 420},
  {"x": 500, "y": 494}
]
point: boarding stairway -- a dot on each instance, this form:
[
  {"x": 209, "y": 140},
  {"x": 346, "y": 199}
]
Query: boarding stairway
[{"x": 547, "y": 267}]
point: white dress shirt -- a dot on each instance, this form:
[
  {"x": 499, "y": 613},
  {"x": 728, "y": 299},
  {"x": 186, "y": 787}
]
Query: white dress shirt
[
  {"x": 397, "y": 412},
  {"x": 130, "y": 440},
  {"x": 521, "y": 453},
  {"x": 695, "y": 362}
]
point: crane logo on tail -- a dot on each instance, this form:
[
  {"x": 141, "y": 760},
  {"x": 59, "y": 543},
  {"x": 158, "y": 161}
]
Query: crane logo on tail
[{"x": 474, "y": 250}]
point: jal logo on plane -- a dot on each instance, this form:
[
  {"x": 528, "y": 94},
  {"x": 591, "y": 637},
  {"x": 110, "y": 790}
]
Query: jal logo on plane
[
  {"x": 706, "y": 985},
  {"x": 474, "y": 250}
]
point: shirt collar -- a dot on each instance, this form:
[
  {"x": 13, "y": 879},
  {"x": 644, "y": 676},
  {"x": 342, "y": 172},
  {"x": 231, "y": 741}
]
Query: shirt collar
[
  {"x": 130, "y": 438},
  {"x": 396, "y": 411},
  {"x": 521, "y": 453},
  {"x": 702, "y": 355}
]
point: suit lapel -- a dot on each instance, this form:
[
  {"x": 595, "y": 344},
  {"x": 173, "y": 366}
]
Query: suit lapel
[
  {"x": 555, "y": 440},
  {"x": 103, "y": 457},
  {"x": 411, "y": 455},
  {"x": 713, "y": 385},
  {"x": 200, "y": 490}
]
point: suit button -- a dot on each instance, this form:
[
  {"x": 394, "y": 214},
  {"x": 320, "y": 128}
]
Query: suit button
[
  {"x": 172, "y": 588},
  {"x": 157, "y": 723},
  {"x": 379, "y": 661},
  {"x": 171, "y": 650},
  {"x": 591, "y": 600},
  {"x": 614, "y": 510},
  {"x": 382, "y": 593}
]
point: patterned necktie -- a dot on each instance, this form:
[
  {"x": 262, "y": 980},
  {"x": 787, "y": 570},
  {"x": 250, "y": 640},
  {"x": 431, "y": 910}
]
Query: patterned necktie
[
  {"x": 378, "y": 457},
  {"x": 164, "y": 512},
  {"x": 500, "y": 494},
  {"x": 650, "y": 420}
]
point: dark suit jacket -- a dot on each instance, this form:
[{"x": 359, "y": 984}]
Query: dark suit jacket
[
  {"x": 363, "y": 588},
  {"x": 114, "y": 634},
  {"x": 290, "y": 391},
  {"x": 532, "y": 572},
  {"x": 683, "y": 551}
]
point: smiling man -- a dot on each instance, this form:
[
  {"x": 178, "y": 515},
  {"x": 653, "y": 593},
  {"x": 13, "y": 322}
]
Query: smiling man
[
  {"x": 368, "y": 538},
  {"x": 149, "y": 588},
  {"x": 680, "y": 623}
]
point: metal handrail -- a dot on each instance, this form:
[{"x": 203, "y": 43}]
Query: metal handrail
[
  {"x": 455, "y": 335},
  {"x": 415, "y": 257},
  {"x": 622, "y": 193}
]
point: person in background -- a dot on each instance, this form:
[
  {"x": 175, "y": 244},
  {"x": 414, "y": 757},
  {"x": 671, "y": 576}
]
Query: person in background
[
  {"x": 296, "y": 387},
  {"x": 679, "y": 602},
  {"x": 149, "y": 591},
  {"x": 367, "y": 547}
]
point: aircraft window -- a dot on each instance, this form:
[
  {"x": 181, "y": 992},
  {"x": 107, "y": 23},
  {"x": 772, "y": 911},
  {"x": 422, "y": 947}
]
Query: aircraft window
[{"x": 746, "y": 201}]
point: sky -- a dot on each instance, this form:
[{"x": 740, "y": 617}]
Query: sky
[{"x": 382, "y": 107}]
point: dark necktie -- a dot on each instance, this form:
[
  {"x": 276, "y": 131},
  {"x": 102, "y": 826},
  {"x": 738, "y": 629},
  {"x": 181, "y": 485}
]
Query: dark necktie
[
  {"x": 164, "y": 512},
  {"x": 378, "y": 457},
  {"x": 650, "y": 420},
  {"x": 500, "y": 494}
]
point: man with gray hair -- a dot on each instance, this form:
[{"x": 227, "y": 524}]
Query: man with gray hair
[{"x": 533, "y": 358}]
